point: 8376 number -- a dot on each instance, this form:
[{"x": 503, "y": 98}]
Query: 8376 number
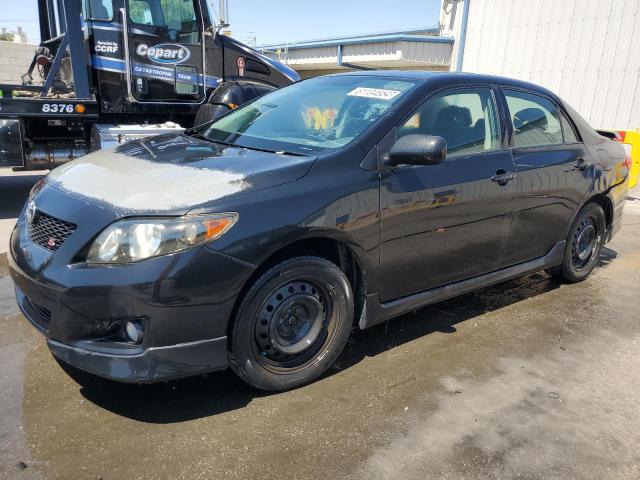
[{"x": 57, "y": 108}]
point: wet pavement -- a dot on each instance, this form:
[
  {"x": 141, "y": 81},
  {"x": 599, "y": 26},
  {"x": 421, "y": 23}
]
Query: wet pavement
[{"x": 529, "y": 379}]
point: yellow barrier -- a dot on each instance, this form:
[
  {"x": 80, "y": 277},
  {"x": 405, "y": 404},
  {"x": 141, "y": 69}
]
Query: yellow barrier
[
  {"x": 632, "y": 137},
  {"x": 631, "y": 140}
]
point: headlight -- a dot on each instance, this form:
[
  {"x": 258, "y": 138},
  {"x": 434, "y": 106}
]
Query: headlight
[
  {"x": 36, "y": 188},
  {"x": 136, "y": 239}
]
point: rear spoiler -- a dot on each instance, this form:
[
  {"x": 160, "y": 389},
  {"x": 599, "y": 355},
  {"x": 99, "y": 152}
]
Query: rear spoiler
[{"x": 609, "y": 135}]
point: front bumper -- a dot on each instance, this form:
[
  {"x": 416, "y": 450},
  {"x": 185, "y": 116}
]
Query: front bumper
[
  {"x": 145, "y": 366},
  {"x": 184, "y": 300},
  {"x": 152, "y": 365}
]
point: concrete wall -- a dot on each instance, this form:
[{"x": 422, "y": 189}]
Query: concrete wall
[
  {"x": 15, "y": 59},
  {"x": 587, "y": 51}
]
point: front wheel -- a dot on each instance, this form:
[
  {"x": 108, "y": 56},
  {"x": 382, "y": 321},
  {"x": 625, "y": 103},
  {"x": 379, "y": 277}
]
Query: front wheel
[
  {"x": 292, "y": 324},
  {"x": 584, "y": 243}
]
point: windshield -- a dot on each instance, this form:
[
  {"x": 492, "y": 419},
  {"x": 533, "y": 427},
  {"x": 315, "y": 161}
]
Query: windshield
[{"x": 312, "y": 116}]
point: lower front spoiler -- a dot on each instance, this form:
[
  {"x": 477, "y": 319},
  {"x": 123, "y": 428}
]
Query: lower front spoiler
[{"x": 153, "y": 365}]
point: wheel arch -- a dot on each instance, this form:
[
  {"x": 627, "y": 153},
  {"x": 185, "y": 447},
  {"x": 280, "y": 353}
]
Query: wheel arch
[
  {"x": 330, "y": 248},
  {"x": 601, "y": 199},
  {"x": 606, "y": 203}
]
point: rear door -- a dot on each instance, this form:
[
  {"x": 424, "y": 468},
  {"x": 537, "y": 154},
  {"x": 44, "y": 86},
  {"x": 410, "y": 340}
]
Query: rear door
[
  {"x": 165, "y": 51},
  {"x": 448, "y": 222},
  {"x": 554, "y": 173}
]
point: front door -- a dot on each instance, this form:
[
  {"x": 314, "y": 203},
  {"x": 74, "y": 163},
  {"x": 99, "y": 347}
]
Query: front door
[
  {"x": 165, "y": 51},
  {"x": 448, "y": 222}
]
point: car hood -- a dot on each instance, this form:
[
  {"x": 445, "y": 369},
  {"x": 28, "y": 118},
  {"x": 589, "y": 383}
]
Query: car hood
[{"x": 172, "y": 174}]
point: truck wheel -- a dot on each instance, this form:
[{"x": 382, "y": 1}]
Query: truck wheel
[
  {"x": 584, "y": 243},
  {"x": 292, "y": 324}
]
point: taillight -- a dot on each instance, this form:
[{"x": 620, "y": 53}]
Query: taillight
[
  {"x": 627, "y": 156},
  {"x": 621, "y": 135}
]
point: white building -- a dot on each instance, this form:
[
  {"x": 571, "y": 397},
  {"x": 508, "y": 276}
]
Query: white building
[
  {"x": 587, "y": 51},
  {"x": 410, "y": 49}
]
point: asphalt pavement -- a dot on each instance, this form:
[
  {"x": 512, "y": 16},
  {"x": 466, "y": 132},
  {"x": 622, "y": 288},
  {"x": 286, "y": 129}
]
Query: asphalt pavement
[{"x": 528, "y": 379}]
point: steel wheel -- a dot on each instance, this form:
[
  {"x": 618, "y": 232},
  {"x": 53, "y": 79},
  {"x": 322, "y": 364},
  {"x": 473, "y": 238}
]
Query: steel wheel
[
  {"x": 585, "y": 241},
  {"x": 292, "y": 325},
  {"x": 583, "y": 245}
]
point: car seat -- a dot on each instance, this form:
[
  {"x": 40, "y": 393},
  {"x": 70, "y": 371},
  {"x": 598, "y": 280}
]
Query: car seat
[
  {"x": 531, "y": 127},
  {"x": 453, "y": 123}
]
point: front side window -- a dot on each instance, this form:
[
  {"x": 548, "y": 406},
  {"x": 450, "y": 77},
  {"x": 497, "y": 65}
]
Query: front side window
[
  {"x": 466, "y": 119},
  {"x": 319, "y": 114},
  {"x": 536, "y": 121},
  {"x": 177, "y": 17}
]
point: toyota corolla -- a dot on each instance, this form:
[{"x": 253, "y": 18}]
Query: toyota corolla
[{"x": 258, "y": 242}]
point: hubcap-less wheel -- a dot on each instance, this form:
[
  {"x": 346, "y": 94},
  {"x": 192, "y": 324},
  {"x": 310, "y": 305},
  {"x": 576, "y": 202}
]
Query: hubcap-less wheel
[
  {"x": 292, "y": 324},
  {"x": 584, "y": 244}
]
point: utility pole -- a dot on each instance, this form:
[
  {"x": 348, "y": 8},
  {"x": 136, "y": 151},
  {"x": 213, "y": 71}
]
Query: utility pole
[{"x": 224, "y": 13}]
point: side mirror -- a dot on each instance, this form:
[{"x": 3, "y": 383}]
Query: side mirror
[{"x": 418, "y": 149}]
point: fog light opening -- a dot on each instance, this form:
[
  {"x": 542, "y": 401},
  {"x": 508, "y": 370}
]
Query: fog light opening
[{"x": 134, "y": 331}]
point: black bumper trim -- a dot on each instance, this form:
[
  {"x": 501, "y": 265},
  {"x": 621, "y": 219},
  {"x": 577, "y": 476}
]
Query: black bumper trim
[{"x": 152, "y": 365}]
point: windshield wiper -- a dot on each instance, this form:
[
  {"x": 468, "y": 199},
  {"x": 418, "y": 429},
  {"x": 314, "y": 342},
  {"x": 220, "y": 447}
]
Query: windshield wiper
[
  {"x": 200, "y": 135},
  {"x": 270, "y": 150}
]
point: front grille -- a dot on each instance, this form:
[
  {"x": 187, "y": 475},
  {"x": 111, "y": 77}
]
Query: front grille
[
  {"x": 49, "y": 232},
  {"x": 41, "y": 315}
]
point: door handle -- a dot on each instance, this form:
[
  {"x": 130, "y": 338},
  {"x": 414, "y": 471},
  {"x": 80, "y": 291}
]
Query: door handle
[
  {"x": 502, "y": 177},
  {"x": 580, "y": 164}
]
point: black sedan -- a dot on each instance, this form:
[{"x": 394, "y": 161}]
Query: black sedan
[{"x": 261, "y": 240}]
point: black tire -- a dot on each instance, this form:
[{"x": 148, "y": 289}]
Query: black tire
[
  {"x": 292, "y": 324},
  {"x": 584, "y": 243}
]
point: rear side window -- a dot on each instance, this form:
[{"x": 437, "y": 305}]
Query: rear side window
[
  {"x": 536, "y": 121},
  {"x": 466, "y": 119}
]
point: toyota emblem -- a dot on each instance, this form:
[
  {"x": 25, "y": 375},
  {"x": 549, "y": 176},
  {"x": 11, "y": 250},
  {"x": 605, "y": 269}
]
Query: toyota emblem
[
  {"x": 51, "y": 243},
  {"x": 31, "y": 211}
]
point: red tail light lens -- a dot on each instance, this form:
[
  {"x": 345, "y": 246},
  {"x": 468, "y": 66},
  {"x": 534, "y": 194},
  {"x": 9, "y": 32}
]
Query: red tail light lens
[{"x": 627, "y": 156}]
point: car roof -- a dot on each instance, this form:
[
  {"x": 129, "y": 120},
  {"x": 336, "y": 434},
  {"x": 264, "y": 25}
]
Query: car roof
[{"x": 425, "y": 76}]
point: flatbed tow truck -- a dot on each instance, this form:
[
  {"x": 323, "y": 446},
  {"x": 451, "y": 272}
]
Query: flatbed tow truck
[{"x": 115, "y": 70}]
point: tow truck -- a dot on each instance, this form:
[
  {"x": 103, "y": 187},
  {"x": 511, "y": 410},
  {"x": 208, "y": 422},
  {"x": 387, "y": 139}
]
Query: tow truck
[{"x": 107, "y": 71}]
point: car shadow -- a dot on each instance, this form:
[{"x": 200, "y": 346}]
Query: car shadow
[{"x": 203, "y": 396}]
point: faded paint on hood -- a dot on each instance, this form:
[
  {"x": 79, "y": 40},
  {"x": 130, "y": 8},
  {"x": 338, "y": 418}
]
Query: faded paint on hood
[{"x": 173, "y": 174}]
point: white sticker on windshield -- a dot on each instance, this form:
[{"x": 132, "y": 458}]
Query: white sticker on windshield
[{"x": 379, "y": 93}]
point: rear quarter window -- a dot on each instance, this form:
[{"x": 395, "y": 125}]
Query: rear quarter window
[{"x": 568, "y": 130}]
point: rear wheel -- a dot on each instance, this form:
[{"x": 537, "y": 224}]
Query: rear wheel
[
  {"x": 292, "y": 324},
  {"x": 584, "y": 243}
]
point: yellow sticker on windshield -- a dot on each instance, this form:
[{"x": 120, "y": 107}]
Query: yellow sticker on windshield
[{"x": 319, "y": 119}]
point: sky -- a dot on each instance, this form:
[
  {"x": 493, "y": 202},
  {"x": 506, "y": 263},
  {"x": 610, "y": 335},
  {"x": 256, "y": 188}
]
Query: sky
[{"x": 283, "y": 20}]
